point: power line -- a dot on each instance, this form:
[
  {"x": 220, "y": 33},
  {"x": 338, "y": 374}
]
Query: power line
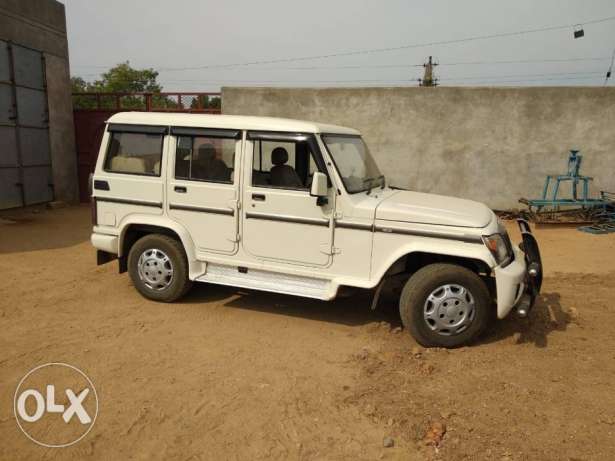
[
  {"x": 388, "y": 66},
  {"x": 406, "y": 66},
  {"x": 389, "y": 49},
  {"x": 273, "y": 81},
  {"x": 301, "y": 67},
  {"x": 411, "y": 83},
  {"x": 523, "y": 80},
  {"x": 495, "y": 77},
  {"x": 381, "y": 80},
  {"x": 405, "y": 84},
  {"x": 549, "y": 76},
  {"x": 524, "y": 61}
]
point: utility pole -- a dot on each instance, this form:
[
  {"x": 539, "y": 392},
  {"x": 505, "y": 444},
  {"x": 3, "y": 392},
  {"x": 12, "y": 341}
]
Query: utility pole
[
  {"x": 429, "y": 78},
  {"x": 610, "y": 71}
]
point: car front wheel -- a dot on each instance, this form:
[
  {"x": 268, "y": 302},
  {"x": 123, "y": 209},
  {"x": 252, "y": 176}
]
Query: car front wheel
[{"x": 445, "y": 305}]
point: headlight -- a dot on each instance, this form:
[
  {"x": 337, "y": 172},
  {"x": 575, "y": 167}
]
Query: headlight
[{"x": 496, "y": 244}]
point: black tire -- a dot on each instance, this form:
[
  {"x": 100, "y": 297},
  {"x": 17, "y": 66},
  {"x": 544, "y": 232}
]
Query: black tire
[
  {"x": 423, "y": 283},
  {"x": 177, "y": 285}
]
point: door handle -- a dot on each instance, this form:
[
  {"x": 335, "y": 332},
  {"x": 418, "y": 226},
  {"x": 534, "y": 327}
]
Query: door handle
[
  {"x": 180, "y": 189},
  {"x": 99, "y": 184},
  {"x": 258, "y": 197}
]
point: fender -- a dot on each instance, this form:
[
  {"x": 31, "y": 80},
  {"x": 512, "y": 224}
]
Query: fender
[
  {"x": 403, "y": 247},
  {"x": 196, "y": 267}
]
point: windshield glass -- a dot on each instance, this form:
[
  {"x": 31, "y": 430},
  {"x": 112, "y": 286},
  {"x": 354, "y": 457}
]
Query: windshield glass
[{"x": 354, "y": 162}]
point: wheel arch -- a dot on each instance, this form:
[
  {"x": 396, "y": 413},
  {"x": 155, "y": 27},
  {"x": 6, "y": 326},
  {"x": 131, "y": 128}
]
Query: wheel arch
[
  {"x": 409, "y": 260},
  {"x": 135, "y": 228}
]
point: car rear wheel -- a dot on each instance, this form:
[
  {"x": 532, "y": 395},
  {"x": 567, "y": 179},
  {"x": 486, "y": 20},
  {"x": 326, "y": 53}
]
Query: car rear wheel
[
  {"x": 445, "y": 305},
  {"x": 158, "y": 267}
]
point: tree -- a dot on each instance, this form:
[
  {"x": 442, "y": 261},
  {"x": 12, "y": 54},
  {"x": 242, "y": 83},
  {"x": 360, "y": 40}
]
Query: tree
[
  {"x": 124, "y": 79},
  {"x": 206, "y": 102},
  {"x": 119, "y": 79},
  {"x": 79, "y": 85}
]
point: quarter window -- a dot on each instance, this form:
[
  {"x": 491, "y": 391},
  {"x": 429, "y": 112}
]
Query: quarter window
[
  {"x": 134, "y": 153},
  {"x": 201, "y": 158}
]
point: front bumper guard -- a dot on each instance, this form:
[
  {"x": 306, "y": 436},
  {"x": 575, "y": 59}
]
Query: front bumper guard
[{"x": 533, "y": 275}]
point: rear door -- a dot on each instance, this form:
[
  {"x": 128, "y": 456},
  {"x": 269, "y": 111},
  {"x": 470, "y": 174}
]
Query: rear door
[
  {"x": 281, "y": 221},
  {"x": 202, "y": 186}
]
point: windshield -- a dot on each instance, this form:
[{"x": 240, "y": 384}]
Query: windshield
[{"x": 354, "y": 163}]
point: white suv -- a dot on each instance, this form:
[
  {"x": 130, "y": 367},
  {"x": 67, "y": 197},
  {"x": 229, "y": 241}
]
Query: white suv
[{"x": 299, "y": 208}]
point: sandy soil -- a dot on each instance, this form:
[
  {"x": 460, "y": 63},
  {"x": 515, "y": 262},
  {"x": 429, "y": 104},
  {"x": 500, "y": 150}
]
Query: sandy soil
[{"x": 228, "y": 374}]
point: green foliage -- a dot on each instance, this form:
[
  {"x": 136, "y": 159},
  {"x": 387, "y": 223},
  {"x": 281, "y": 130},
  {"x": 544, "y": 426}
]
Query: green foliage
[
  {"x": 162, "y": 102},
  {"x": 119, "y": 79},
  {"x": 124, "y": 79},
  {"x": 79, "y": 85},
  {"x": 205, "y": 102}
]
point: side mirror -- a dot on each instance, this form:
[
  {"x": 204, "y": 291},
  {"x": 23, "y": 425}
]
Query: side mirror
[{"x": 319, "y": 185}]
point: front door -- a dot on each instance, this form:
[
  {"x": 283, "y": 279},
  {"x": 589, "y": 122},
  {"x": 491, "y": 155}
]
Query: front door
[
  {"x": 281, "y": 221},
  {"x": 202, "y": 186}
]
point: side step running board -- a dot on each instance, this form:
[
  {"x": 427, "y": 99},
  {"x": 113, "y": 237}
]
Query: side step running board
[{"x": 274, "y": 282}]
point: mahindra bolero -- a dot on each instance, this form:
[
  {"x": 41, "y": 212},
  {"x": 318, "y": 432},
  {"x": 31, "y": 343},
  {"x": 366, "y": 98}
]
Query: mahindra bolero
[{"x": 299, "y": 208}]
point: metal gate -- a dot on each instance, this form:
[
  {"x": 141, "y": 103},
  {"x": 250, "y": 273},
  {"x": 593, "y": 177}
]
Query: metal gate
[{"x": 25, "y": 163}]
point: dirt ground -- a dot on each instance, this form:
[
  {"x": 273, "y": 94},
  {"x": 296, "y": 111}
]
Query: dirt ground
[{"x": 231, "y": 374}]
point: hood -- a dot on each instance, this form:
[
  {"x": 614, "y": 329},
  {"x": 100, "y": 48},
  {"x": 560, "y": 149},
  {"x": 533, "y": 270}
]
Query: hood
[{"x": 416, "y": 207}]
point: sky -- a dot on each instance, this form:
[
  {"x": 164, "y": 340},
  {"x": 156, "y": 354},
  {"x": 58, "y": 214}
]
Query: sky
[{"x": 190, "y": 41}]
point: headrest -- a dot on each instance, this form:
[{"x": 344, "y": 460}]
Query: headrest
[
  {"x": 279, "y": 156},
  {"x": 206, "y": 152},
  {"x": 114, "y": 146},
  {"x": 128, "y": 164}
]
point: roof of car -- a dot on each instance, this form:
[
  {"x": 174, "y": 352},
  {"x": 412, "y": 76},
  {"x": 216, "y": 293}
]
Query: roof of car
[{"x": 239, "y": 122}]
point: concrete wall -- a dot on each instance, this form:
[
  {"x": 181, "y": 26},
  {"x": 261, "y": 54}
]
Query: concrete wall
[
  {"x": 488, "y": 144},
  {"x": 41, "y": 25}
]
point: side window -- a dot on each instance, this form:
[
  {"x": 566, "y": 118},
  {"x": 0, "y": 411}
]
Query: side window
[
  {"x": 283, "y": 164},
  {"x": 267, "y": 150},
  {"x": 200, "y": 158},
  {"x": 134, "y": 153}
]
